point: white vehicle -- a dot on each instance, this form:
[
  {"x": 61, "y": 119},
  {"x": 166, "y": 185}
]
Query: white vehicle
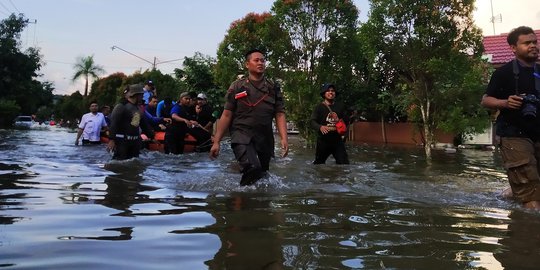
[
  {"x": 291, "y": 128},
  {"x": 23, "y": 121}
]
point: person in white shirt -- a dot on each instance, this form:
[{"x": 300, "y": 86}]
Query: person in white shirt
[{"x": 91, "y": 125}]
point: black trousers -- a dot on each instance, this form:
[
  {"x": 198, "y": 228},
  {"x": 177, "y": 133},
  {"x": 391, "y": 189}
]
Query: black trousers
[
  {"x": 330, "y": 144},
  {"x": 126, "y": 149},
  {"x": 175, "y": 136},
  {"x": 174, "y": 139},
  {"x": 253, "y": 155}
]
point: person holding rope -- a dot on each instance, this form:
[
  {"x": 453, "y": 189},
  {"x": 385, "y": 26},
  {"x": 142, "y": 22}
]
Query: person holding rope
[
  {"x": 183, "y": 122},
  {"x": 204, "y": 113}
]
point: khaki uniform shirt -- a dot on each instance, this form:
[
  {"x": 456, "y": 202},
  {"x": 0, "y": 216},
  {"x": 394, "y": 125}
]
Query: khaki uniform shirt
[{"x": 253, "y": 109}]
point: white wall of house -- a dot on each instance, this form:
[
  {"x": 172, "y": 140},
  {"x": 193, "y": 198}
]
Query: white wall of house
[{"x": 484, "y": 138}]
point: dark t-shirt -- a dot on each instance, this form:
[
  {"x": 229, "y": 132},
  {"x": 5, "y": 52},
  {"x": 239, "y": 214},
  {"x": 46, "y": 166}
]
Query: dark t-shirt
[
  {"x": 182, "y": 111},
  {"x": 205, "y": 116},
  {"x": 127, "y": 119},
  {"x": 320, "y": 115},
  {"x": 511, "y": 123}
]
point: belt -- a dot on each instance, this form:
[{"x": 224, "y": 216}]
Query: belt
[{"x": 127, "y": 137}]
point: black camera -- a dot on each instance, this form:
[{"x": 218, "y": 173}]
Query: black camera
[{"x": 528, "y": 107}]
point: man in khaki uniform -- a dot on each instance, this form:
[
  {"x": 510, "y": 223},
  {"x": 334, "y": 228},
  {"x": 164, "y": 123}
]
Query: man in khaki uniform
[{"x": 251, "y": 105}]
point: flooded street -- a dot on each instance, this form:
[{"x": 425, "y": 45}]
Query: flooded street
[{"x": 64, "y": 206}]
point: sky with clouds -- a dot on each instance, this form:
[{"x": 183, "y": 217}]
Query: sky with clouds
[{"x": 166, "y": 31}]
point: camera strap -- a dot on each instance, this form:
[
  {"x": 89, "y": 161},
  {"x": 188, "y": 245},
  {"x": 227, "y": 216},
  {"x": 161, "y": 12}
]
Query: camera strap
[
  {"x": 515, "y": 69},
  {"x": 536, "y": 75}
]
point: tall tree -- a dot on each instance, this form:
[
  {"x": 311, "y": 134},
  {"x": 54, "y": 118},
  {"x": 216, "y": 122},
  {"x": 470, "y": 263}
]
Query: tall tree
[
  {"x": 307, "y": 43},
  {"x": 70, "y": 108},
  {"x": 21, "y": 92},
  {"x": 254, "y": 31},
  {"x": 197, "y": 72},
  {"x": 106, "y": 91},
  {"x": 198, "y": 75},
  {"x": 86, "y": 68},
  {"x": 324, "y": 49},
  {"x": 434, "y": 49}
]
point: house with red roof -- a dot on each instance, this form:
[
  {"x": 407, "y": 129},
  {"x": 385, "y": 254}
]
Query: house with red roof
[
  {"x": 497, "y": 50},
  {"x": 498, "y": 53}
]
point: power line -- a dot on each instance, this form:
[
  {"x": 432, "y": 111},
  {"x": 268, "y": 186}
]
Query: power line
[
  {"x": 14, "y": 6},
  {"x": 7, "y": 9},
  {"x": 58, "y": 62},
  {"x": 106, "y": 67},
  {"x": 154, "y": 63}
]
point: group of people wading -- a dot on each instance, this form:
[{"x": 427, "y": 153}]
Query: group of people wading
[
  {"x": 253, "y": 102},
  {"x": 251, "y": 105}
]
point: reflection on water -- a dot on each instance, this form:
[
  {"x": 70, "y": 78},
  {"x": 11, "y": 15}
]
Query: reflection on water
[
  {"x": 519, "y": 247},
  {"x": 64, "y": 206}
]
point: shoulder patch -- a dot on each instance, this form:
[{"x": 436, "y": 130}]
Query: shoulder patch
[{"x": 243, "y": 79}]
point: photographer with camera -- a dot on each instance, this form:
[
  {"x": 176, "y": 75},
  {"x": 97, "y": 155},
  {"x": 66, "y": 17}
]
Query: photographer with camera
[{"x": 514, "y": 89}]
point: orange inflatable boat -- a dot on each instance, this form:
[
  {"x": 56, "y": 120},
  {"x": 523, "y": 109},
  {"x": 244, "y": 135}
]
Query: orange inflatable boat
[{"x": 158, "y": 144}]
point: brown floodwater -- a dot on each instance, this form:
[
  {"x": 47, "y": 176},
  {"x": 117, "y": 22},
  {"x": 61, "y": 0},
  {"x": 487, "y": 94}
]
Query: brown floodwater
[{"x": 64, "y": 207}]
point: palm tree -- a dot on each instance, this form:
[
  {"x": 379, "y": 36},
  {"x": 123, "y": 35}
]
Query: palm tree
[{"x": 85, "y": 67}]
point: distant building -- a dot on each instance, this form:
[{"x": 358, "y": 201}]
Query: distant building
[{"x": 497, "y": 51}]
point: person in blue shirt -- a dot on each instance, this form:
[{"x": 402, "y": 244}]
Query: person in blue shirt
[
  {"x": 157, "y": 123},
  {"x": 149, "y": 91},
  {"x": 164, "y": 107},
  {"x": 183, "y": 122}
]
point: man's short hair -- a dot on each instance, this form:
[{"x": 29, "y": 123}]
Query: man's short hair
[
  {"x": 248, "y": 53},
  {"x": 513, "y": 36}
]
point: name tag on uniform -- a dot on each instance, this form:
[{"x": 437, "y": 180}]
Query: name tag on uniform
[{"x": 241, "y": 95}]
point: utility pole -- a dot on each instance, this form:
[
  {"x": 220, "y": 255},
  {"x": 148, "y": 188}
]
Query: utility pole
[
  {"x": 34, "y": 23},
  {"x": 154, "y": 63}
]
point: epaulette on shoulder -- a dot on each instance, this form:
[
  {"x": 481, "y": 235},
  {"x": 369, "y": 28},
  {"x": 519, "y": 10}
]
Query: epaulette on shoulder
[
  {"x": 241, "y": 79},
  {"x": 238, "y": 84}
]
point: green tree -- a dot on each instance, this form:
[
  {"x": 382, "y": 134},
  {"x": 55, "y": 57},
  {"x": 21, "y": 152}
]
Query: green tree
[
  {"x": 106, "y": 91},
  {"x": 325, "y": 49},
  {"x": 86, "y": 68},
  {"x": 8, "y": 111},
  {"x": 21, "y": 92},
  {"x": 197, "y": 72},
  {"x": 166, "y": 85},
  {"x": 198, "y": 76},
  {"x": 433, "y": 49},
  {"x": 377, "y": 101},
  {"x": 70, "y": 108},
  {"x": 254, "y": 31}
]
